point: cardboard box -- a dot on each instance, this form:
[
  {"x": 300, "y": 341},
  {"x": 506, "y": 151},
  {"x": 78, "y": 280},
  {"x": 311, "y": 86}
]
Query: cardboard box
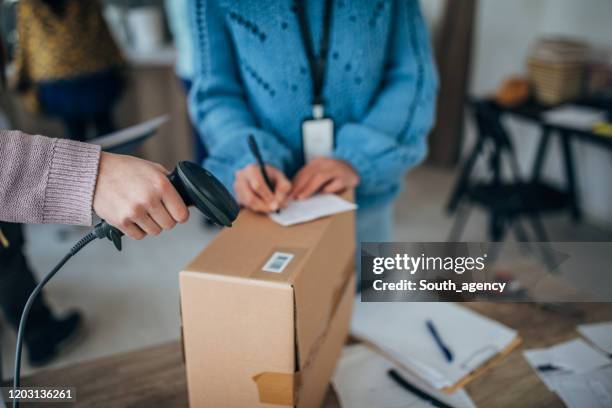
[{"x": 266, "y": 312}]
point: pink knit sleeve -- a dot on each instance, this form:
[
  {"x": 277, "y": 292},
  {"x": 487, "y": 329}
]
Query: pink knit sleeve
[{"x": 45, "y": 180}]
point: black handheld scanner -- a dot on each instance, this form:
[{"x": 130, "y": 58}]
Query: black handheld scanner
[{"x": 197, "y": 187}]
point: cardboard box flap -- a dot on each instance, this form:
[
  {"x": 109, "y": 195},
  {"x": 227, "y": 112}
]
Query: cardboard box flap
[
  {"x": 243, "y": 250},
  {"x": 315, "y": 379},
  {"x": 319, "y": 286},
  {"x": 221, "y": 319},
  {"x": 305, "y": 388}
]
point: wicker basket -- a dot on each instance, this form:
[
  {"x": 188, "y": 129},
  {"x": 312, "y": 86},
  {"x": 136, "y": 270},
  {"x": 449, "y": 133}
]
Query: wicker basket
[{"x": 556, "y": 68}]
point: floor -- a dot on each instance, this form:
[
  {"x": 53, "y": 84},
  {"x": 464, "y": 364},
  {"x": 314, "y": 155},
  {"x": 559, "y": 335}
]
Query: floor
[{"x": 131, "y": 300}]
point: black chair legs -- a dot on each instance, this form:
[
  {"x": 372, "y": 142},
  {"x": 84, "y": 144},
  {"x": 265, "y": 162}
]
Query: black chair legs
[{"x": 463, "y": 214}]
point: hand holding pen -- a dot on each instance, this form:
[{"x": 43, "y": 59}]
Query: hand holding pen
[{"x": 254, "y": 191}]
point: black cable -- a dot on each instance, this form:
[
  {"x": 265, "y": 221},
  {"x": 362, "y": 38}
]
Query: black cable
[{"x": 26, "y": 310}]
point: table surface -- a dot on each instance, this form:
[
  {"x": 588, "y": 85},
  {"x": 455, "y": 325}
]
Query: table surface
[
  {"x": 155, "y": 377},
  {"x": 533, "y": 111}
]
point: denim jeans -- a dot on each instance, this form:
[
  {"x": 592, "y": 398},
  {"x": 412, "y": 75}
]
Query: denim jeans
[
  {"x": 82, "y": 101},
  {"x": 374, "y": 224}
]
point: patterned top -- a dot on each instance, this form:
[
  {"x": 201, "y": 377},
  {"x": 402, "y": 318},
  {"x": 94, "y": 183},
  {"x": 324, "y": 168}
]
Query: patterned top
[
  {"x": 252, "y": 77},
  {"x": 53, "y": 47}
]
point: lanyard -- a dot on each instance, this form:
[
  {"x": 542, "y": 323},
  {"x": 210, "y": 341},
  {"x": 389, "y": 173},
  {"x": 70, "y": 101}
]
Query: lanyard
[{"x": 316, "y": 63}]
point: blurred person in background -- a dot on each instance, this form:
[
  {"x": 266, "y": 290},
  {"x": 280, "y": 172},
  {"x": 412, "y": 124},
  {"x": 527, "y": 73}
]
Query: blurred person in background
[
  {"x": 180, "y": 26},
  {"x": 46, "y": 180},
  {"x": 261, "y": 71},
  {"x": 67, "y": 64}
]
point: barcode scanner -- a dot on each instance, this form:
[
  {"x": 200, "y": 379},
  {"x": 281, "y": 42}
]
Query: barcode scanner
[{"x": 196, "y": 186}]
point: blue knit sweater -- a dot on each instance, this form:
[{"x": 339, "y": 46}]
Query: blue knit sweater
[{"x": 252, "y": 77}]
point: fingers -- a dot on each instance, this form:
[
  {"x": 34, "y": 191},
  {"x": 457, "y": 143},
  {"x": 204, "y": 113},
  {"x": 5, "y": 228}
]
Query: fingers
[
  {"x": 163, "y": 209},
  {"x": 146, "y": 223},
  {"x": 132, "y": 231},
  {"x": 161, "y": 216},
  {"x": 310, "y": 179},
  {"x": 258, "y": 183},
  {"x": 333, "y": 187},
  {"x": 253, "y": 191},
  {"x": 172, "y": 203},
  {"x": 282, "y": 186},
  {"x": 248, "y": 198},
  {"x": 314, "y": 184},
  {"x": 325, "y": 174},
  {"x": 301, "y": 179}
]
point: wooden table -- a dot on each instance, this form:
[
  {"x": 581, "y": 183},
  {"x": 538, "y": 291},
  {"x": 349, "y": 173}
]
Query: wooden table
[{"x": 155, "y": 377}]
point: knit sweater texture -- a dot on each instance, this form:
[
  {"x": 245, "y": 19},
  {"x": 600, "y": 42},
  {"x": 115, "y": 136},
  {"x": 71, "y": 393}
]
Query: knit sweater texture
[
  {"x": 252, "y": 77},
  {"x": 46, "y": 180}
]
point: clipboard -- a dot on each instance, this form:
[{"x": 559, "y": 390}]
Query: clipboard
[
  {"x": 492, "y": 362},
  {"x": 403, "y": 339},
  {"x": 486, "y": 366}
]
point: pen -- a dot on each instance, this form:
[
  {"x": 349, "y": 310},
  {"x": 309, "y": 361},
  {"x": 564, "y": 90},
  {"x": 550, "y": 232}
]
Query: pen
[
  {"x": 262, "y": 167},
  {"x": 443, "y": 347},
  {"x": 401, "y": 381},
  {"x": 548, "y": 367}
]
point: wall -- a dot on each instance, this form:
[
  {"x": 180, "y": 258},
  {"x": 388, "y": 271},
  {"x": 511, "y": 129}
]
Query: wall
[{"x": 504, "y": 32}]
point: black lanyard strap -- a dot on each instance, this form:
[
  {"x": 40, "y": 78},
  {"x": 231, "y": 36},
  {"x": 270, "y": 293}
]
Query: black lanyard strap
[{"x": 317, "y": 64}]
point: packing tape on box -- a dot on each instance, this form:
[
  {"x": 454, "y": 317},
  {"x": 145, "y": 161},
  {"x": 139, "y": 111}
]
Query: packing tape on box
[
  {"x": 282, "y": 388},
  {"x": 277, "y": 388}
]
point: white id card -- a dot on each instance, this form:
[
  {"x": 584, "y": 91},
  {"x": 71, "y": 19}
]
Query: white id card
[{"x": 317, "y": 138}]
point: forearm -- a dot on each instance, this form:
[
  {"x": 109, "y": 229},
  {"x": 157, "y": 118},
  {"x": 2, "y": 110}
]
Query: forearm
[
  {"x": 385, "y": 162},
  {"x": 218, "y": 103},
  {"x": 391, "y": 137},
  {"x": 45, "y": 180}
]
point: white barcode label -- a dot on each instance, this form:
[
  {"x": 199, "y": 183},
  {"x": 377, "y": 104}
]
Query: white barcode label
[{"x": 277, "y": 262}]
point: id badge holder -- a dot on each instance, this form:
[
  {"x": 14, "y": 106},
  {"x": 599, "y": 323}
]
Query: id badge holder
[{"x": 317, "y": 135}]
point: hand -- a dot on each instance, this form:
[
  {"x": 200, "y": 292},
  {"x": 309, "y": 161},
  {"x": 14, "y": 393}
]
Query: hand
[
  {"x": 136, "y": 196},
  {"x": 252, "y": 191},
  {"x": 325, "y": 174}
]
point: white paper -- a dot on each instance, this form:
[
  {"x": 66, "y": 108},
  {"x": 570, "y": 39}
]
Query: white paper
[
  {"x": 130, "y": 134},
  {"x": 399, "y": 330},
  {"x": 577, "y": 356},
  {"x": 600, "y": 334},
  {"x": 361, "y": 381},
  {"x": 541, "y": 357},
  {"x": 580, "y": 366},
  {"x": 312, "y": 208},
  {"x": 575, "y": 117},
  {"x": 593, "y": 390}
]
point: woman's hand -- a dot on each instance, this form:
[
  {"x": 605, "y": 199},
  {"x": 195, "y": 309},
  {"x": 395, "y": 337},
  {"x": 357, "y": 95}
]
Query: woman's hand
[
  {"x": 136, "y": 196},
  {"x": 323, "y": 174},
  {"x": 252, "y": 191}
]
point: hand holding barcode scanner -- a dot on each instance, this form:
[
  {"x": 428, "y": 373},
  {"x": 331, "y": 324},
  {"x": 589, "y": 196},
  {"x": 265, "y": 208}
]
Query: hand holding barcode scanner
[{"x": 196, "y": 187}]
